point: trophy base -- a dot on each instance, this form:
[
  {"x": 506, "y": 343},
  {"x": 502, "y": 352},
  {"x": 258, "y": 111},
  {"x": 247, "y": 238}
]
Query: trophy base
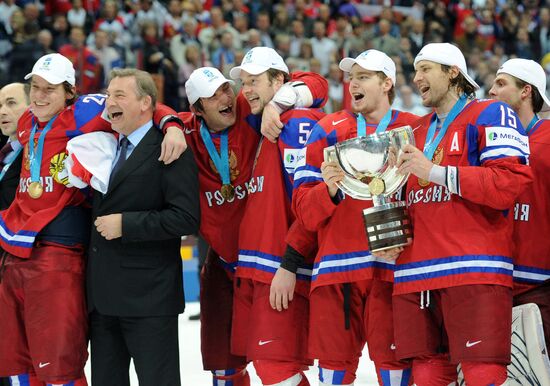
[{"x": 388, "y": 226}]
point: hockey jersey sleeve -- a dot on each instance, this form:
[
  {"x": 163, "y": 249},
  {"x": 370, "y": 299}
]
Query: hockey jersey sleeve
[
  {"x": 498, "y": 143},
  {"x": 305, "y": 89},
  {"x": 90, "y": 114},
  {"x": 311, "y": 201},
  {"x": 315, "y": 83}
]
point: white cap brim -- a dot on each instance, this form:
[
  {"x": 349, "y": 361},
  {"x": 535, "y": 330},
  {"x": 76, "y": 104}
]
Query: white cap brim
[
  {"x": 251, "y": 68},
  {"x": 470, "y": 79},
  {"x": 347, "y": 63},
  {"x": 208, "y": 92},
  {"x": 46, "y": 75}
]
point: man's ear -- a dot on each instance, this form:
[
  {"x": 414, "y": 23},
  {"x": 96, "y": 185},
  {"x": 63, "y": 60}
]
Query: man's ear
[
  {"x": 454, "y": 72},
  {"x": 526, "y": 91},
  {"x": 146, "y": 103}
]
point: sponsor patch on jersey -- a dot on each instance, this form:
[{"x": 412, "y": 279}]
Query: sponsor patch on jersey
[
  {"x": 506, "y": 137},
  {"x": 291, "y": 159}
]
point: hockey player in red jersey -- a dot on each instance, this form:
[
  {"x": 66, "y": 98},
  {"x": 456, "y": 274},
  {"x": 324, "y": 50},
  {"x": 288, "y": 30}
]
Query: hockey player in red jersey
[
  {"x": 350, "y": 300},
  {"x": 522, "y": 84},
  {"x": 224, "y": 135},
  {"x": 276, "y": 342},
  {"x": 452, "y": 286},
  {"x": 43, "y": 235}
]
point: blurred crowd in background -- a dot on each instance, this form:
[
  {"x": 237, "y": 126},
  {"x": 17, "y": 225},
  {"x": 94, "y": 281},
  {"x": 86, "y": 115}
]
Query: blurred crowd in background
[{"x": 172, "y": 38}]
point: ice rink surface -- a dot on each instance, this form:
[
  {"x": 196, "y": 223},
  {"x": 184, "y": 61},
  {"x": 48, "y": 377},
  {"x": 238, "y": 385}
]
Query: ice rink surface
[{"x": 191, "y": 365}]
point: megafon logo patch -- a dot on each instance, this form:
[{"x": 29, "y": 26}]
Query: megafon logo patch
[{"x": 290, "y": 158}]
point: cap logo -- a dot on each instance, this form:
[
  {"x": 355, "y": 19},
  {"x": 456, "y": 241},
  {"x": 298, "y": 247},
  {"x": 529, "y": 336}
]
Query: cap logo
[
  {"x": 46, "y": 64},
  {"x": 364, "y": 54},
  {"x": 209, "y": 74},
  {"x": 248, "y": 57}
]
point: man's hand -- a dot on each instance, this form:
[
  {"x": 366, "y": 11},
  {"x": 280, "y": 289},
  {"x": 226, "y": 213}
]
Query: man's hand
[
  {"x": 389, "y": 255},
  {"x": 412, "y": 160},
  {"x": 332, "y": 173},
  {"x": 109, "y": 226},
  {"x": 271, "y": 123},
  {"x": 173, "y": 145},
  {"x": 282, "y": 289}
]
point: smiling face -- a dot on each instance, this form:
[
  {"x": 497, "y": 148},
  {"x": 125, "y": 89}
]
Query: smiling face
[
  {"x": 259, "y": 89},
  {"x": 13, "y": 103},
  {"x": 432, "y": 83},
  {"x": 367, "y": 89},
  {"x": 127, "y": 110},
  {"x": 47, "y": 99},
  {"x": 218, "y": 111}
]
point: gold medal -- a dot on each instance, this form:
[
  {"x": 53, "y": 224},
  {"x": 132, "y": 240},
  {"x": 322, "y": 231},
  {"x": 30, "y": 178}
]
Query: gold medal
[
  {"x": 436, "y": 159},
  {"x": 438, "y": 156},
  {"x": 228, "y": 191},
  {"x": 377, "y": 186},
  {"x": 35, "y": 189}
]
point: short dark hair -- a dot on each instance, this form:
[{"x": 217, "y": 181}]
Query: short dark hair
[
  {"x": 198, "y": 105},
  {"x": 391, "y": 92},
  {"x": 460, "y": 82},
  {"x": 70, "y": 89},
  {"x": 536, "y": 98},
  {"x": 273, "y": 73}
]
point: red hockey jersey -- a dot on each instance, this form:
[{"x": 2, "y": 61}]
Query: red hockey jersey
[
  {"x": 268, "y": 215},
  {"x": 220, "y": 218},
  {"x": 466, "y": 238},
  {"x": 531, "y": 216},
  {"x": 343, "y": 254}
]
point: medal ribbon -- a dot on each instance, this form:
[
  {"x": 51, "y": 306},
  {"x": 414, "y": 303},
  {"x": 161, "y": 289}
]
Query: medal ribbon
[
  {"x": 531, "y": 124},
  {"x": 382, "y": 125},
  {"x": 35, "y": 159},
  {"x": 13, "y": 156},
  {"x": 431, "y": 142},
  {"x": 221, "y": 159}
]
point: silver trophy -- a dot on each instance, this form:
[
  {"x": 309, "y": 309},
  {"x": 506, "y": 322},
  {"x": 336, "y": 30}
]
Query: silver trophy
[{"x": 370, "y": 174}]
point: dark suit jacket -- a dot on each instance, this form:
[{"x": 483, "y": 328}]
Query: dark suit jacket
[
  {"x": 140, "y": 274},
  {"x": 10, "y": 182}
]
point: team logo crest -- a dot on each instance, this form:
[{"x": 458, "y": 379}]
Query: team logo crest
[
  {"x": 233, "y": 166},
  {"x": 57, "y": 168},
  {"x": 26, "y": 158}
]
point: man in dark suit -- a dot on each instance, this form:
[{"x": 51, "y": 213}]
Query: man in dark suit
[
  {"x": 14, "y": 100},
  {"x": 134, "y": 272}
]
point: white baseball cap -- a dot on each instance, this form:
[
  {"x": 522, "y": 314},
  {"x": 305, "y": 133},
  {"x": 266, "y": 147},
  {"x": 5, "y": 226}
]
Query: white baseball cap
[
  {"x": 258, "y": 60},
  {"x": 447, "y": 54},
  {"x": 372, "y": 60},
  {"x": 530, "y": 72},
  {"x": 203, "y": 83},
  {"x": 54, "y": 68}
]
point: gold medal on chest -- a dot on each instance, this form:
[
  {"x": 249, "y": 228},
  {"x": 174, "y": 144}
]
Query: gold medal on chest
[
  {"x": 35, "y": 189},
  {"x": 228, "y": 191},
  {"x": 436, "y": 159}
]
